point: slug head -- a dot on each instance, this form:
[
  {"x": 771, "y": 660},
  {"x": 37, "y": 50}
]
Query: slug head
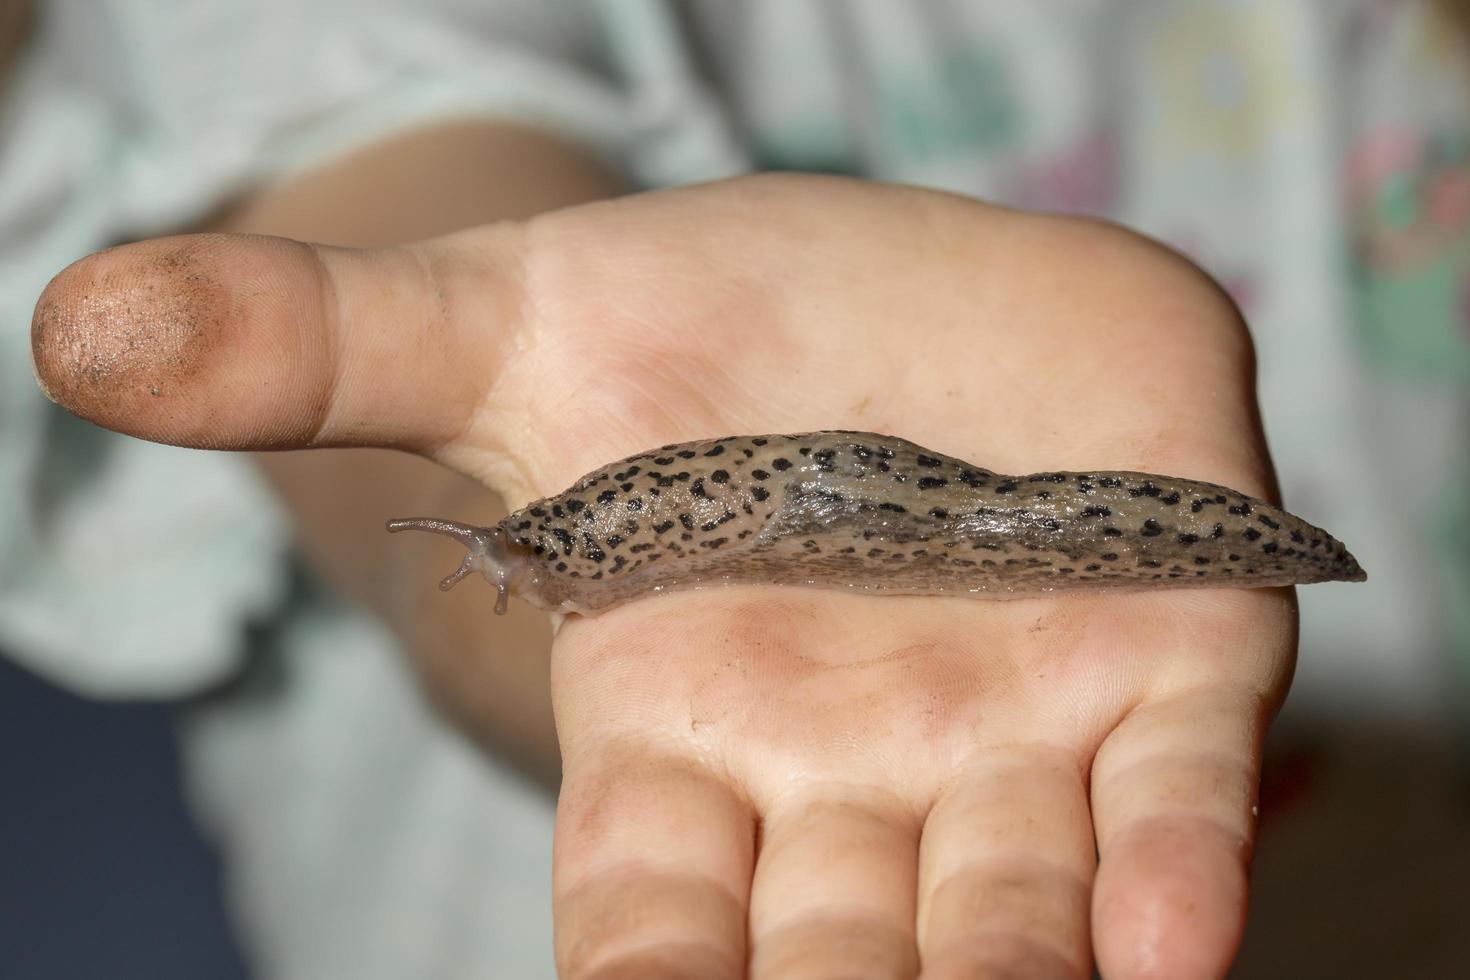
[{"x": 490, "y": 551}]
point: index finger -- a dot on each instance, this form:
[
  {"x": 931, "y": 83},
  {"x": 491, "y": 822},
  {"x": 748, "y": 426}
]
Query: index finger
[
  {"x": 251, "y": 342},
  {"x": 652, "y": 867}
]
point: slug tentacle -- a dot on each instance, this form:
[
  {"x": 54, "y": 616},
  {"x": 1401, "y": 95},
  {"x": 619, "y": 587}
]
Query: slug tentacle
[
  {"x": 489, "y": 552},
  {"x": 858, "y": 510}
]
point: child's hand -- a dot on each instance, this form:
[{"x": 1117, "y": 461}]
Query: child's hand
[{"x": 819, "y": 783}]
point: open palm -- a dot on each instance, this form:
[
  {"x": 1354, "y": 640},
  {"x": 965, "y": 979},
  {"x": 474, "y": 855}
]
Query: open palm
[{"x": 793, "y": 782}]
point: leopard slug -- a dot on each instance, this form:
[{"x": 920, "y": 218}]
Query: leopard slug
[{"x": 876, "y": 513}]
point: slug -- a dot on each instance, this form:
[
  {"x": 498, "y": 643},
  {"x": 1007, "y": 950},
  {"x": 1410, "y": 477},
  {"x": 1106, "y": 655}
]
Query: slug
[{"x": 856, "y": 510}]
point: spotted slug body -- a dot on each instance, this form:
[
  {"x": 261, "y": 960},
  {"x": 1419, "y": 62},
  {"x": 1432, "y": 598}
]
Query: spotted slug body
[{"x": 879, "y": 514}]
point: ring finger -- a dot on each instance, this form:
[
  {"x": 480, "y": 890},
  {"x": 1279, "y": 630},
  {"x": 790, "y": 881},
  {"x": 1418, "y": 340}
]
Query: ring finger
[{"x": 1006, "y": 868}]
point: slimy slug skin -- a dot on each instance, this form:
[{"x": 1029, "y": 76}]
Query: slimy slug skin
[{"x": 875, "y": 513}]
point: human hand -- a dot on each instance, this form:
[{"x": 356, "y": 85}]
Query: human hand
[{"x": 821, "y": 783}]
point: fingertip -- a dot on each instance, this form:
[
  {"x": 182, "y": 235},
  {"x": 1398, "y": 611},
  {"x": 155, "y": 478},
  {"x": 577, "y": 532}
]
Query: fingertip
[
  {"x": 1170, "y": 902},
  {"x": 147, "y": 339},
  {"x": 116, "y": 321}
]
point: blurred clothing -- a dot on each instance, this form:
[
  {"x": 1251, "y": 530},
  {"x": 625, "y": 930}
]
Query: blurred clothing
[{"x": 1312, "y": 155}]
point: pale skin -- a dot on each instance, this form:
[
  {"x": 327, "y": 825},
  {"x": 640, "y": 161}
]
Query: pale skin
[{"x": 775, "y": 782}]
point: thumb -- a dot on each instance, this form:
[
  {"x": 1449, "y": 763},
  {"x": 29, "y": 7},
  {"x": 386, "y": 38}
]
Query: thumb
[{"x": 249, "y": 342}]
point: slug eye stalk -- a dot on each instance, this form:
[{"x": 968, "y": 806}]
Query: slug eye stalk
[{"x": 489, "y": 551}]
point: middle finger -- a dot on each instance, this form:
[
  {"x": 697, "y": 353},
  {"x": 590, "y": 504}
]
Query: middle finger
[{"x": 833, "y": 893}]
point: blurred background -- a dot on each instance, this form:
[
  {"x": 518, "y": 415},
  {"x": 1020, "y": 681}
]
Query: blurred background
[
  {"x": 237, "y": 737},
  {"x": 105, "y": 873}
]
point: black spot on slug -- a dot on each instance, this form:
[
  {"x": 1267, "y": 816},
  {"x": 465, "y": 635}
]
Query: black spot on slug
[
  {"x": 932, "y": 482},
  {"x": 972, "y": 478},
  {"x": 1150, "y": 528},
  {"x": 781, "y": 464}
]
